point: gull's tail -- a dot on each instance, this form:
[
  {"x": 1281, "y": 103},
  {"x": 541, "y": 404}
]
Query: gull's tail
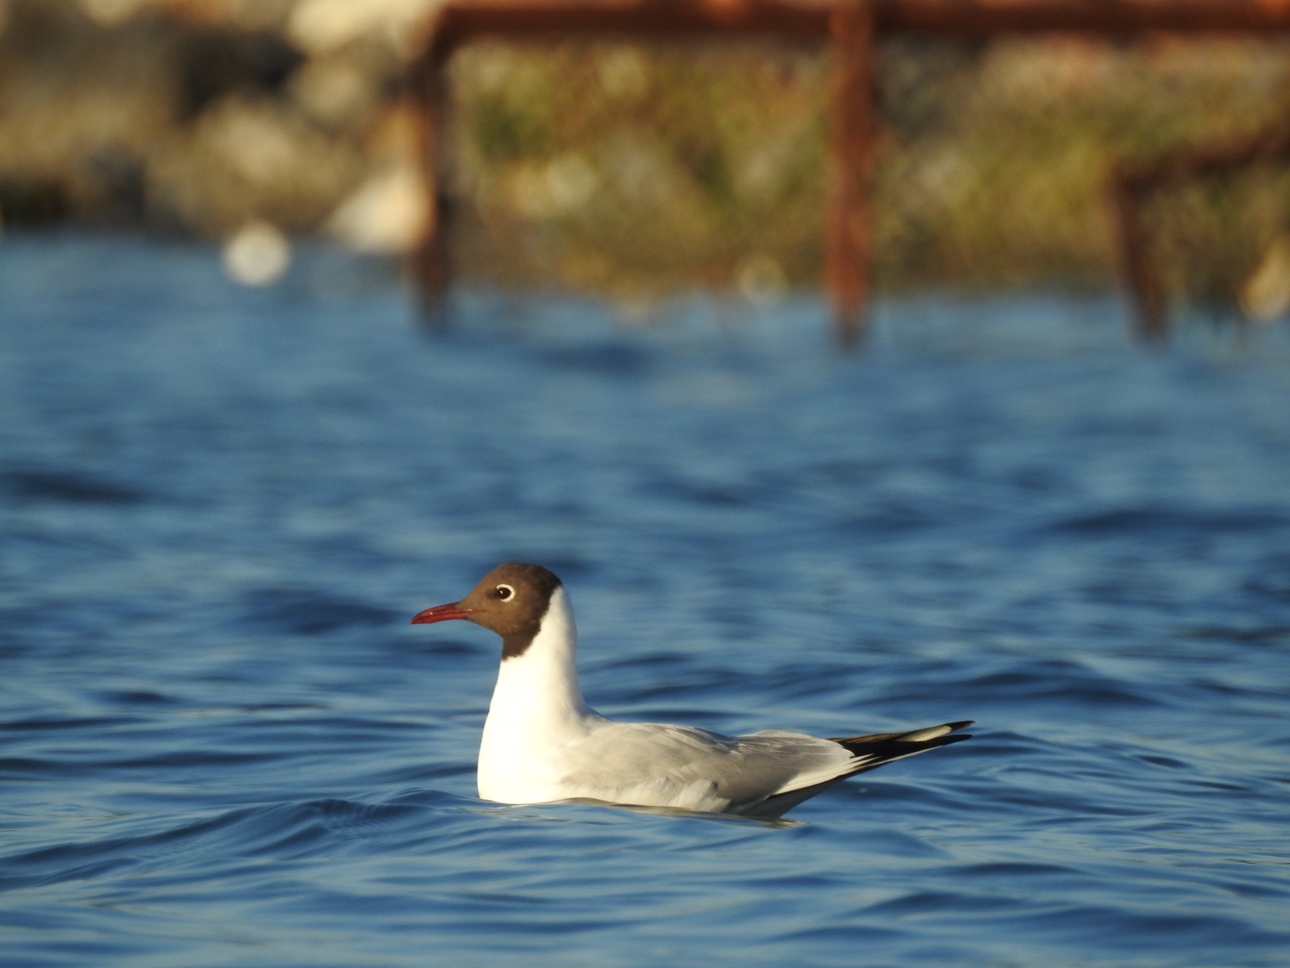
[
  {"x": 870, "y": 751},
  {"x": 876, "y": 749}
]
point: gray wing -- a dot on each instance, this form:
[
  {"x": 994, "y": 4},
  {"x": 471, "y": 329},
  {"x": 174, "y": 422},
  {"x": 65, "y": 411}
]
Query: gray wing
[
  {"x": 651, "y": 764},
  {"x": 763, "y": 773}
]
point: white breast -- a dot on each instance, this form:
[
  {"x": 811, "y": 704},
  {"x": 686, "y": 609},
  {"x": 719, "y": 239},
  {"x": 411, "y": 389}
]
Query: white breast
[{"x": 537, "y": 711}]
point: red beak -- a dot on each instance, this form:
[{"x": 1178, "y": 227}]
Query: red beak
[{"x": 442, "y": 613}]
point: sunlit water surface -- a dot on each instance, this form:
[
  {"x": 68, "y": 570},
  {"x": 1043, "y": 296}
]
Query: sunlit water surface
[{"x": 222, "y": 744}]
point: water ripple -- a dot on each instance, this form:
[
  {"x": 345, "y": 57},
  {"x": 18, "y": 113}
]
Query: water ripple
[{"x": 221, "y": 742}]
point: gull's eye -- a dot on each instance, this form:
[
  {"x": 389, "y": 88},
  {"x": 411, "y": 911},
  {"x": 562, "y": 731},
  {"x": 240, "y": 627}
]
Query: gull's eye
[{"x": 504, "y": 592}]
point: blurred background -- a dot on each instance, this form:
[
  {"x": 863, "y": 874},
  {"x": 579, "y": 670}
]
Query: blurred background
[
  {"x": 633, "y": 170},
  {"x": 232, "y": 467}
]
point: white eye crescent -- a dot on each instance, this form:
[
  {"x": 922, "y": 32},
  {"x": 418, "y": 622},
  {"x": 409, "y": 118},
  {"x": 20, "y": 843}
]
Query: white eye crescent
[{"x": 505, "y": 592}]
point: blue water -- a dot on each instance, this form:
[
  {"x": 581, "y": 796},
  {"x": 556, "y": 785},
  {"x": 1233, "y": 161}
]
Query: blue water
[{"x": 221, "y": 744}]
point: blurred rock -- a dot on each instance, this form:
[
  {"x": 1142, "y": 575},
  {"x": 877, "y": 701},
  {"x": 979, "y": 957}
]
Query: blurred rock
[
  {"x": 338, "y": 91},
  {"x": 1266, "y": 294},
  {"x": 110, "y": 13},
  {"x": 760, "y": 279},
  {"x": 249, "y": 158},
  {"x": 386, "y": 214},
  {"x": 30, "y": 203},
  {"x": 257, "y": 254},
  {"x": 324, "y": 26},
  {"x": 216, "y": 63}
]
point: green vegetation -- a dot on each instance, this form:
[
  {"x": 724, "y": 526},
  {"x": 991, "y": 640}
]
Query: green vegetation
[
  {"x": 637, "y": 169},
  {"x": 614, "y": 167}
]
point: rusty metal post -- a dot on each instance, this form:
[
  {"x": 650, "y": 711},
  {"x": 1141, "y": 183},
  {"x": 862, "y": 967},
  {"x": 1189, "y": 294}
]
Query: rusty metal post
[
  {"x": 1131, "y": 186},
  {"x": 1137, "y": 274},
  {"x": 851, "y": 35},
  {"x": 428, "y": 261}
]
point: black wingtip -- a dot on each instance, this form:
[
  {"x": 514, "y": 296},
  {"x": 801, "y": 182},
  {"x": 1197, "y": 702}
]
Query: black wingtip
[{"x": 879, "y": 748}]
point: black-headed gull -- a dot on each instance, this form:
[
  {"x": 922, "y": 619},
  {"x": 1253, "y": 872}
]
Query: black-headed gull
[{"x": 542, "y": 743}]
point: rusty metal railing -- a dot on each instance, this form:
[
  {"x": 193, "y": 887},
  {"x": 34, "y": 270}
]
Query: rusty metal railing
[
  {"x": 1132, "y": 186},
  {"x": 850, "y": 29}
]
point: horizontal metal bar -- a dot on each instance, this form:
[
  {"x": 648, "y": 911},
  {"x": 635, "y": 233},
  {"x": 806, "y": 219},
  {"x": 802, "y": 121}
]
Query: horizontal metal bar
[{"x": 459, "y": 21}]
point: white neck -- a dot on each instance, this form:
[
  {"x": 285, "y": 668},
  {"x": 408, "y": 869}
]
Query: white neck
[{"x": 536, "y": 709}]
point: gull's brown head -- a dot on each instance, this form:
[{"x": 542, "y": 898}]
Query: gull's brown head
[{"x": 510, "y": 600}]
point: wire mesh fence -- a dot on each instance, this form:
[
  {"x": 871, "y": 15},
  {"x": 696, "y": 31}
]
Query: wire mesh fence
[{"x": 639, "y": 169}]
